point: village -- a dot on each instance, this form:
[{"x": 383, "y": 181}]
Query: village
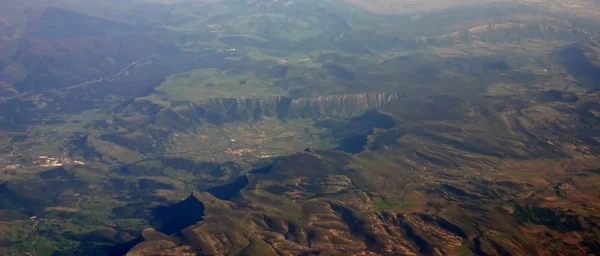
[{"x": 41, "y": 161}]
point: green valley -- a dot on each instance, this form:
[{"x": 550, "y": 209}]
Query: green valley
[{"x": 230, "y": 127}]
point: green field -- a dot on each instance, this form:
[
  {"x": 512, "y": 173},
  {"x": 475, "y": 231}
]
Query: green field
[{"x": 204, "y": 84}]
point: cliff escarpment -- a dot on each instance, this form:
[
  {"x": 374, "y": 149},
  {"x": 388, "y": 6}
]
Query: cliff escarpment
[
  {"x": 218, "y": 111},
  {"x": 507, "y": 32}
]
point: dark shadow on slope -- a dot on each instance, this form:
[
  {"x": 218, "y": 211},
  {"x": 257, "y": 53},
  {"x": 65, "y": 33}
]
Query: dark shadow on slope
[
  {"x": 353, "y": 144},
  {"x": 355, "y": 224},
  {"x": 577, "y": 64},
  {"x": 339, "y": 72},
  {"x": 59, "y": 172},
  {"x": 172, "y": 218},
  {"x": 424, "y": 247},
  {"x": 228, "y": 191},
  {"x": 555, "y": 219},
  {"x": 353, "y": 135}
]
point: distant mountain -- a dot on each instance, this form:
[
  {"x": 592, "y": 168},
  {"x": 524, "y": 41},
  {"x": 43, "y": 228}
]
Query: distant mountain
[
  {"x": 56, "y": 23},
  {"x": 61, "y": 48},
  {"x": 49, "y": 64}
]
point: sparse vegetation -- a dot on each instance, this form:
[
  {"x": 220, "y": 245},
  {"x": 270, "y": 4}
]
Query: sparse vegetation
[{"x": 299, "y": 127}]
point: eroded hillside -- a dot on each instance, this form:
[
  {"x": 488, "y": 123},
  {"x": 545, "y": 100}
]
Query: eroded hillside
[
  {"x": 458, "y": 177},
  {"x": 287, "y": 127}
]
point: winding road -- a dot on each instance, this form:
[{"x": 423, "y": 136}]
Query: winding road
[{"x": 109, "y": 78}]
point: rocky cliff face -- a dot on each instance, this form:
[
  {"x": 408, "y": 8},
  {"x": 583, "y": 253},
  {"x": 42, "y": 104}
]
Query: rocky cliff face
[
  {"x": 149, "y": 126},
  {"x": 504, "y": 31},
  {"x": 338, "y": 105},
  {"x": 246, "y": 109}
]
